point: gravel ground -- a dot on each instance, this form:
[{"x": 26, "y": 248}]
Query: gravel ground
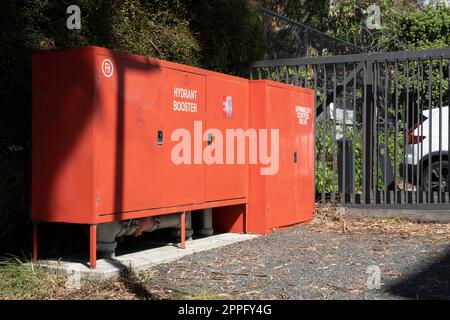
[{"x": 325, "y": 260}]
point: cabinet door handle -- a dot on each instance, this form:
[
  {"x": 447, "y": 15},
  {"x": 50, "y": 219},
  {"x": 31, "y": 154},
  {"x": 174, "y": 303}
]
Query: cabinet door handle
[
  {"x": 295, "y": 157},
  {"x": 210, "y": 138},
  {"x": 160, "y": 138}
]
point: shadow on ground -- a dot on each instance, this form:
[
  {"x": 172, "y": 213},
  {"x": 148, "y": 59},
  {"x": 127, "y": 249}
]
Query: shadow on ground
[{"x": 432, "y": 282}]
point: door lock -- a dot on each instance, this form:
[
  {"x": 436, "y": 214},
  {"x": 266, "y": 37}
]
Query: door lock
[
  {"x": 209, "y": 138},
  {"x": 160, "y": 137}
]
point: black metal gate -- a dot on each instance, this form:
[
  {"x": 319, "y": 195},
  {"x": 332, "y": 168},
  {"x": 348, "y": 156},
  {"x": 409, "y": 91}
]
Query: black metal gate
[{"x": 382, "y": 125}]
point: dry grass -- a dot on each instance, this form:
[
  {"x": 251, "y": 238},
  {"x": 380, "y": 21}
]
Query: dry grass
[
  {"x": 129, "y": 286},
  {"x": 329, "y": 219},
  {"x": 27, "y": 281}
]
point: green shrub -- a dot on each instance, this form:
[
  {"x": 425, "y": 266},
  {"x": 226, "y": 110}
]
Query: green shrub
[{"x": 424, "y": 29}]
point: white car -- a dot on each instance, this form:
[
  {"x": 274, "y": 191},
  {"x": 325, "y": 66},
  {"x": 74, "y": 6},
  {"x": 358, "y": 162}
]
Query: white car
[{"x": 418, "y": 153}]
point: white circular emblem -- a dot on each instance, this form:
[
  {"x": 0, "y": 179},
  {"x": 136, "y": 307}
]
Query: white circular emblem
[{"x": 107, "y": 68}]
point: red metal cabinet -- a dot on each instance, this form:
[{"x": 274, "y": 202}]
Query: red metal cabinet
[
  {"x": 287, "y": 197},
  {"x": 103, "y": 142},
  {"x": 102, "y": 137}
]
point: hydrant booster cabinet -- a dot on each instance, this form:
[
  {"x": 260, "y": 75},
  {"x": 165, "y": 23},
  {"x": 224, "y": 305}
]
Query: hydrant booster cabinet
[{"x": 127, "y": 144}]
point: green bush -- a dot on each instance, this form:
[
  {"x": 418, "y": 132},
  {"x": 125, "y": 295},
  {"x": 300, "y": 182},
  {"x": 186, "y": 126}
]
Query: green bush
[{"x": 424, "y": 29}]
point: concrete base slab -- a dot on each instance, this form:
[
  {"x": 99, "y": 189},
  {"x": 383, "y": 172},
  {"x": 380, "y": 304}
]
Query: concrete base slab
[{"x": 143, "y": 259}]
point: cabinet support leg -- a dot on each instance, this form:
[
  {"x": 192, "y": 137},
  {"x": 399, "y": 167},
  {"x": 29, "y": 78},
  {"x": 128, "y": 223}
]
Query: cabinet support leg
[
  {"x": 93, "y": 246},
  {"x": 35, "y": 239},
  {"x": 246, "y": 218},
  {"x": 183, "y": 229}
]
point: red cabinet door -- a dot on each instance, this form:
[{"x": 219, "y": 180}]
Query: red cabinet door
[
  {"x": 304, "y": 142},
  {"x": 129, "y": 160},
  {"x": 227, "y": 108},
  {"x": 184, "y": 108},
  {"x": 282, "y": 187}
]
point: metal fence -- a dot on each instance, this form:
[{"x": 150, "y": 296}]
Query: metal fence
[
  {"x": 377, "y": 143},
  {"x": 286, "y": 38}
]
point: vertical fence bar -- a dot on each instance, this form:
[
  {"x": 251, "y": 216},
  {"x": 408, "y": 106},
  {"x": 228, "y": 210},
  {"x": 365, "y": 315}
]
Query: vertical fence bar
[
  {"x": 315, "y": 124},
  {"x": 420, "y": 171},
  {"x": 405, "y": 128},
  {"x": 414, "y": 112},
  {"x": 344, "y": 130},
  {"x": 306, "y": 76},
  {"x": 418, "y": 193},
  {"x": 376, "y": 119},
  {"x": 299, "y": 75},
  {"x": 448, "y": 133},
  {"x": 386, "y": 153},
  {"x": 415, "y": 99},
  {"x": 430, "y": 150},
  {"x": 367, "y": 131},
  {"x": 324, "y": 132},
  {"x": 333, "y": 138},
  {"x": 440, "y": 191},
  {"x": 395, "y": 135},
  {"x": 287, "y": 75},
  {"x": 354, "y": 135}
]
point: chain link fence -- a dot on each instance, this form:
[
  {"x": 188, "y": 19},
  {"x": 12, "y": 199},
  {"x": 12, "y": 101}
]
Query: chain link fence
[{"x": 287, "y": 38}]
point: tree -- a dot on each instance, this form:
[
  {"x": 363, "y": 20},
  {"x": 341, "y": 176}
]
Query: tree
[
  {"x": 229, "y": 32},
  {"x": 424, "y": 29},
  {"x": 312, "y": 13},
  {"x": 348, "y": 20}
]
